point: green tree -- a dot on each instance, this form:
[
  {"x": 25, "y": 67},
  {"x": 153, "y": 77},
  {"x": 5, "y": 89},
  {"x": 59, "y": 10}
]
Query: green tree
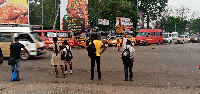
[
  {"x": 152, "y": 8},
  {"x": 175, "y": 24},
  {"x": 195, "y": 25},
  {"x": 110, "y": 9}
]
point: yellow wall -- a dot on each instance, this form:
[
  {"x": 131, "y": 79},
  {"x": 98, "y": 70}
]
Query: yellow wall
[{"x": 24, "y": 2}]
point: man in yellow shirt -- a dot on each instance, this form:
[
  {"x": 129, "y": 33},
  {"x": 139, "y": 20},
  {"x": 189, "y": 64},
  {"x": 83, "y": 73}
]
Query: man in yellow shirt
[{"x": 98, "y": 44}]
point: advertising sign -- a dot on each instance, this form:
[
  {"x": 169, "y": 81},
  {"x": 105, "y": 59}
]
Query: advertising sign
[
  {"x": 141, "y": 20},
  {"x": 72, "y": 12},
  {"x": 103, "y": 22},
  {"x": 14, "y": 11},
  {"x": 124, "y": 21},
  {"x": 123, "y": 25},
  {"x": 73, "y": 24}
]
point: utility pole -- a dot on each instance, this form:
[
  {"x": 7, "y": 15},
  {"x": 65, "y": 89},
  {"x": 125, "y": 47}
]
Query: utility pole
[{"x": 42, "y": 16}]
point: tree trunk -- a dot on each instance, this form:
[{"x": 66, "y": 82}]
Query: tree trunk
[{"x": 148, "y": 20}]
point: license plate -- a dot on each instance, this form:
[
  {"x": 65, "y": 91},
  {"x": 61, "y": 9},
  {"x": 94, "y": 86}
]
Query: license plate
[{"x": 39, "y": 49}]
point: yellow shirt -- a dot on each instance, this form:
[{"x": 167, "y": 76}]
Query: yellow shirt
[{"x": 98, "y": 45}]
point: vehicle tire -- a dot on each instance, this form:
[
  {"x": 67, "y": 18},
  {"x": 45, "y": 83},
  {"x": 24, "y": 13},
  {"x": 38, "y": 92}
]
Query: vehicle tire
[
  {"x": 170, "y": 42},
  {"x": 133, "y": 43},
  {"x": 146, "y": 44},
  {"x": 26, "y": 56},
  {"x": 159, "y": 42},
  {"x": 106, "y": 44},
  {"x": 183, "y": 42}
]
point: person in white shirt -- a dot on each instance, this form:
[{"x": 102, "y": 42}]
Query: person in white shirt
[
  {"x": 124, "y": 42},
  {"x": 128, "y": 64},
  {"x": 65, "y": 49}
]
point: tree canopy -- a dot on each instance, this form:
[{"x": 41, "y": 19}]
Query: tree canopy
[
  {"x": 152, "y": 9},
  {"x": 195, "y": 25}
]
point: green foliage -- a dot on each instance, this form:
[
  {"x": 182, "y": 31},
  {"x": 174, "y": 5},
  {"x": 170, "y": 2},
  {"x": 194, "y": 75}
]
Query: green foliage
[
  {"x": 152, "y": 8},
  {"x": 110, "y": 9},
  {"x": 175, "y": 24},
  {"x": 195, "y": 25},
  {"x": 48, "y": 13}
]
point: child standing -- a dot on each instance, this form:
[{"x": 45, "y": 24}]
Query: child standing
[
  {"x": 118, "y": 45},
  {"x": 66, "y": 59}
]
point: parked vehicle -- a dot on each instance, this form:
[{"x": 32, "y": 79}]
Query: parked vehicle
[
  {"x": 194, "y": 38},
  {"x": 183, "y": 39},
  {"x": 149, "y": 36},
  {"x": 47, "y": 36},
  {"x": 175, "y": 36},
  {"x": 85, "y": 38},
  {"x": 132, "y": 39},
  {"x": 113, "y": 40},
  {"x": 104, "y": 40},
  {"x": 167, "y": 38},
  {"x": 29, "y": 39}
]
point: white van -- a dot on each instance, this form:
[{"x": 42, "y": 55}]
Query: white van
[
  {"x": 167, "y": 38},
  {"x": 175, "y": 36},
  {"x": 29, "y": 39}
]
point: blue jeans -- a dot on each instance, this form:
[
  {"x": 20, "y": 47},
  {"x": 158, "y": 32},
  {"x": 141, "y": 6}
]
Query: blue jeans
[
  {"x": 128, "y": 65},
  {"x": 17, "y": 65},
  {"x": 97, "y": 58}
]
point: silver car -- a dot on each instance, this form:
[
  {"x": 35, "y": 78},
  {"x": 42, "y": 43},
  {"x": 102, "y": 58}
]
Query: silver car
[{"x": 183, "y": 39}]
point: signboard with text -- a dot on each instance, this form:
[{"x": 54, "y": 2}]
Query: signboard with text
[{"x": 74, "y": 24}]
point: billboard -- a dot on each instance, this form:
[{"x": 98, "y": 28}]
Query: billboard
[
  {"x": 140, "y": 20},
  {"x": 103, "y": 22},
  {"x": 14, "y": 11},
  {"x": 123, "y": 25},
  {"x": 72, "y": 12}
]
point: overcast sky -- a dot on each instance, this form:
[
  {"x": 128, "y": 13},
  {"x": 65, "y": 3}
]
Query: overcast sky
[{"x": 194, "y": 5}]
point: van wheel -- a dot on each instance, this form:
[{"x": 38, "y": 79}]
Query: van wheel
[
  {"x": 146, "y": 44},
  {"x": 133, "y": 43},
  {"x": 159, "y": 42},
  {"x": 26, "y": 56},
  {"x": 170, "y": 42}
]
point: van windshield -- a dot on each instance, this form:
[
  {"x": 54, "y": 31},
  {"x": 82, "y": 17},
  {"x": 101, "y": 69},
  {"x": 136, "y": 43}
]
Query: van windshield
[
  {"x": 37, "y": 37},
  {"x": 181, "y": 36},
  {"x": 175, "y": 35},
  {"x": 142, "y": 34},
  {"x": 82, "y": 36},
  {"x": 165, "y": 36}
]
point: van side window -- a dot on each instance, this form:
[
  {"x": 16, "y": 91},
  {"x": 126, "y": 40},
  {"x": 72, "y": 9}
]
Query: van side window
[
  {"x": 5, "y": 38},
  {"x": 152, "y": 33},
  {"x": 160, "y": 33},
  {"x": 25, "y": 37}
]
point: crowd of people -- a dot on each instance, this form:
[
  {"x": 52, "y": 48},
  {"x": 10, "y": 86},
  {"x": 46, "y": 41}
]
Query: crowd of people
[{"x": 62, "y": 56}]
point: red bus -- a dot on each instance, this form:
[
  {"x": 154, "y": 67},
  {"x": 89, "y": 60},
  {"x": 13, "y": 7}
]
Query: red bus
[
  {"x": 149, "y": 36},
  {"x": 47, "y": 36}
]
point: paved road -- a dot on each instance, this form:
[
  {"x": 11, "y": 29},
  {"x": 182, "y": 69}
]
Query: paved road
[{"x": 157, "y": 69}]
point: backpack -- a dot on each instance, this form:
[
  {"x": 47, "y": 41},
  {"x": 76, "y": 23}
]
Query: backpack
[
  {"x": 91, "y": 50},
  {"x": 69, "y": 54},
  {"x": 126, "y": 55}
]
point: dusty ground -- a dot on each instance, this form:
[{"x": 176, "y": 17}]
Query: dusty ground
[{"x": 158, "y": 69}]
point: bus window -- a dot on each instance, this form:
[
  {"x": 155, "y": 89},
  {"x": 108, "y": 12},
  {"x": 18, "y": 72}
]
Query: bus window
[
  {"x": 5, "y": 38},
  {"x": 65, "y": 34},
  {"x": 152, "y": 33}
]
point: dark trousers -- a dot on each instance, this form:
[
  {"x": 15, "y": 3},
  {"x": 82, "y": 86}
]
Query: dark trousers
[
  {"x": 97, "y": 58},
  {"x": 128, "y": 65}
]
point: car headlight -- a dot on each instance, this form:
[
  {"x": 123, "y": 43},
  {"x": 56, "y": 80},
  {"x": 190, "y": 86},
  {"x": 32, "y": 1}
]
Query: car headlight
[
  {"x": 113, "y": 41},
  {"x": 188, "y": 38},
  {"x": 195, "y": 38}
]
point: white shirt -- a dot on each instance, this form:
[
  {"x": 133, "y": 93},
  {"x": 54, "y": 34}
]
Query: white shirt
[
  {"x": 132, "y": 51},
  {"x": 124, "y": 42}
]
